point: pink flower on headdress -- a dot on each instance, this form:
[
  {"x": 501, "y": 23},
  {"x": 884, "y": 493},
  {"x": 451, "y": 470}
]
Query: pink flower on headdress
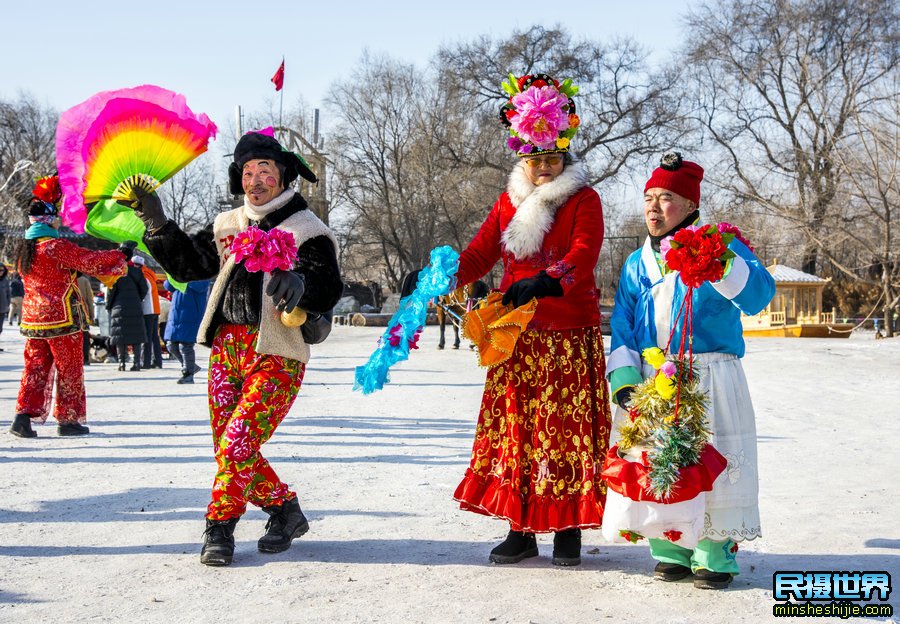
[
  {"x": 514, "y": 143},
  {"x": 542, "y": 115}
]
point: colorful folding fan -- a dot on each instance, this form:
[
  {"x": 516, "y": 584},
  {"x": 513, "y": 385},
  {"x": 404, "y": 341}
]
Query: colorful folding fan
[{"x": 117, "y": 140}]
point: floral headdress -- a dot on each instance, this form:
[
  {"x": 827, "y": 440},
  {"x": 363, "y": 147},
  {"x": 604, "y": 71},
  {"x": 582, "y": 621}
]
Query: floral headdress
[{"x": 540, "y": 114}]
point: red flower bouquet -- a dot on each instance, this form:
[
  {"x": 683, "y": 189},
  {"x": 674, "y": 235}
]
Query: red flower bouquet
[{"x": 699, "y": 253}]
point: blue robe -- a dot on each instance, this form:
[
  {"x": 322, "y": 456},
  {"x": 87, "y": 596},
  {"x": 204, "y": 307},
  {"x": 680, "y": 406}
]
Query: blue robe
[{"x": 647, "y": 302}]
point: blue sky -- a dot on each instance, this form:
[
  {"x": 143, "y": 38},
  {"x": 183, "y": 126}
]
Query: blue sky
[{"x": 221, "y": 54}]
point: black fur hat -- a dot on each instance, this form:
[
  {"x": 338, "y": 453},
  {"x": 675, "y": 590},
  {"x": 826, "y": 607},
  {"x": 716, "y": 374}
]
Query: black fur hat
[{"x": 262, "y": 145}]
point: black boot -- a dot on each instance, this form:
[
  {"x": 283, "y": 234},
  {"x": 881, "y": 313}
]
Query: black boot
[
  {"x": 72, "y": 429},
  {"x": 670, "y": 572},
  {"x": 286, "y": 522},
  {"x": 567, "y": 548},
  {"x": 707, "y": 579},
  {"x": 514, "y": 548},
  {"x": 186, "y": 378},
  {"x": 21, "y": 426},
  {"x": 218, "y": 542}
]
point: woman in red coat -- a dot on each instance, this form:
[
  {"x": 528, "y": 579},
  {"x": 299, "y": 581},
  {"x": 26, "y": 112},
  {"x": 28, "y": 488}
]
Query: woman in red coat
[
  {"x": 53, "y": 316},
  {"x": 543, "y": 427}
]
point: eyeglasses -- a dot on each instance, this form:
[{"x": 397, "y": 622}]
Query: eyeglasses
[{"x": 552, "y": 161}]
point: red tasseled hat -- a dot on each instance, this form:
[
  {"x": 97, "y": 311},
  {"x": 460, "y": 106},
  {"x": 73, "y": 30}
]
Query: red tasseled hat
[{"x": 677, "y": 175}]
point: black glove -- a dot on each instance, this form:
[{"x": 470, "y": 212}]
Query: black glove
[
  {"x": 148, "y": 208},
  {"x": 623, "y": 396},
  {"x": 286, "y": 288},
  {"x": 541, "y": 285},
  {"x": 409, "y": 283}
]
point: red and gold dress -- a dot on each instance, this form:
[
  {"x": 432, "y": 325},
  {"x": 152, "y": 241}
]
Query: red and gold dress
[
  {"x": 543, "y": 427},
  {"x": 53, "y": 317}
]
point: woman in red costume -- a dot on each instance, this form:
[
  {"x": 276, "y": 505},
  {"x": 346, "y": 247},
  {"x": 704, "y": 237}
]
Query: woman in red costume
[
  {"x": 53, "y": 316},
  {"x": 543, "y": 427}
]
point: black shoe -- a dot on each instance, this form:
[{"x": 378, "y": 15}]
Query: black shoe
[
  {"x": 186, "y": 379},
  {"x": 706, "y": 579},
  {"x": 135, "y": 369},
  {"x": 197, "y": 369},
  {"x": 87, "y": 362},
  {"x": 72, "y": 429},
  {"x": 122, "y": 366},
  {"x": 514, "y": 548},
  {"x": 670, "y": 572},
  {"x": 21, "y": 427},
  {"x": 567, "y": 548},
  {"x": 218, "y": 542},
  {"x": 286, "y": 522}
]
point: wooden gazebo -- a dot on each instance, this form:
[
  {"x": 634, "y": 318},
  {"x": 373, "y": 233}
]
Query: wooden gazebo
[{"x": 796, "y": 309}]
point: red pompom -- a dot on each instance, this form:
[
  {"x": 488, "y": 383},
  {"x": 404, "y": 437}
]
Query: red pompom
[
  {"x": 47, "y": 189},
  {"x": 539, "y": 83}
]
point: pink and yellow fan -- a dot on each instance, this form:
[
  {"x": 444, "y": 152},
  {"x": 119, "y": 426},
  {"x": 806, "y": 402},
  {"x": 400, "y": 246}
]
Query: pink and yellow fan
[{"x": 119, "y": 140}]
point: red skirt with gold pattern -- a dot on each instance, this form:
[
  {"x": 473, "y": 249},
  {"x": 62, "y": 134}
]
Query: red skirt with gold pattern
[{"x": 542, "y": 434}]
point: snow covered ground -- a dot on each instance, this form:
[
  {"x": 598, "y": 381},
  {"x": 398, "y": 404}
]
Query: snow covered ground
[{"x": 107, "y": 528}]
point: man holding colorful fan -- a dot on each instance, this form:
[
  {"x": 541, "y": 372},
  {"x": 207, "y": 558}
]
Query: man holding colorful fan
[
  {"x": 688, "y": 286},
  {"x": 268, "y": 256}
]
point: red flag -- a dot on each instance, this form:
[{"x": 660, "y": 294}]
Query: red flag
[{"x": 278, "y": 78}]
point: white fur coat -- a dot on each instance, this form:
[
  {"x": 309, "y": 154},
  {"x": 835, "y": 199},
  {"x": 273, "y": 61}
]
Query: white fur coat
[{"x": 536, "y": 206}]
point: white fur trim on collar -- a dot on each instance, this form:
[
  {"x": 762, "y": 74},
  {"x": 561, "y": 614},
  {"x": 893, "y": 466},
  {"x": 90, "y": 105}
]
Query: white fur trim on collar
[
  {"x": 257, "y": 213},
  {"x": 536, "y": 206}
]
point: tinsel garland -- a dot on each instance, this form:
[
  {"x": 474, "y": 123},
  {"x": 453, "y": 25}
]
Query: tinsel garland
[
  {"x": 672, "y": 443},
  {"x": 402, "y": 333}
]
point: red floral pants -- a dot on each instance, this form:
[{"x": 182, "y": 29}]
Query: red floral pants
[
  {"x": 249, "y": 396},
  {"x": 43, "y": 356}
]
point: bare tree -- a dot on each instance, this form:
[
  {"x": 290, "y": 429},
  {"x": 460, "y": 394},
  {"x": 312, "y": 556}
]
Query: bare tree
[
  {"x": 27, "y": 135},
  {"x": 778, "y": 83},
  {"x": 398, "y": 190},
  {"x": 870, "y": 158},
  {"x": 190, "y": 195},
  {"x": 630, "y": 114}
]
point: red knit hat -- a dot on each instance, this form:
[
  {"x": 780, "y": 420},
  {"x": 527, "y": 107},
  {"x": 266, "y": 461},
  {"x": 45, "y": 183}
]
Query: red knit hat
[{"x": 677, "y": 175}]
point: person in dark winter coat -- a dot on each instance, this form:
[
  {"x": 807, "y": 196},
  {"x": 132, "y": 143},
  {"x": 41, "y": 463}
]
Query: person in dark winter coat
[
  {"x": 126, "y": 312},
  {"x": 4, "y": 294},
  {"x": 184, "y": 320},
  {"x": 16, "y": 295},
  {"x": 258, "y": 357}
]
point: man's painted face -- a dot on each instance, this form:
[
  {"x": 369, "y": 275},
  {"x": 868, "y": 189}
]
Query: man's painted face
[
  {"x": 261, "y": 181},
  {"x": 664, "y": 209}
]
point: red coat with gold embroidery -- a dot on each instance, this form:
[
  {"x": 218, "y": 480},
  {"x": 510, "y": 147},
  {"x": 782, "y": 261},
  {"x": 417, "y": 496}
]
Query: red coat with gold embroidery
[
  {"x": 556, "y": 227},
  {"x": 52, "y": 305}
]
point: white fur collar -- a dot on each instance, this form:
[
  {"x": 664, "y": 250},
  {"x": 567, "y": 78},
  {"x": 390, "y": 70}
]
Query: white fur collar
[
  {"x": 258, "y": 212},
  {"x": 536, "y": 206}
]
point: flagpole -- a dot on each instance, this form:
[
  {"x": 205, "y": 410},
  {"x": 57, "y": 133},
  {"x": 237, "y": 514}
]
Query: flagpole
[{"x": 281, "y": 99}]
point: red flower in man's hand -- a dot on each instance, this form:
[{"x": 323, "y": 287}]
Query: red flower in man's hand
[{"x": 698, "y": 254}]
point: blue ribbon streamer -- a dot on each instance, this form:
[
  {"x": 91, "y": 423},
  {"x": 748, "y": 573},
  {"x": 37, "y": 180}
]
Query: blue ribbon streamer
[{"x": 435, "y": 280}]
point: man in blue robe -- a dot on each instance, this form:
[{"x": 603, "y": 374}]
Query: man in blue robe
[{"x": 648, "y": 299}]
